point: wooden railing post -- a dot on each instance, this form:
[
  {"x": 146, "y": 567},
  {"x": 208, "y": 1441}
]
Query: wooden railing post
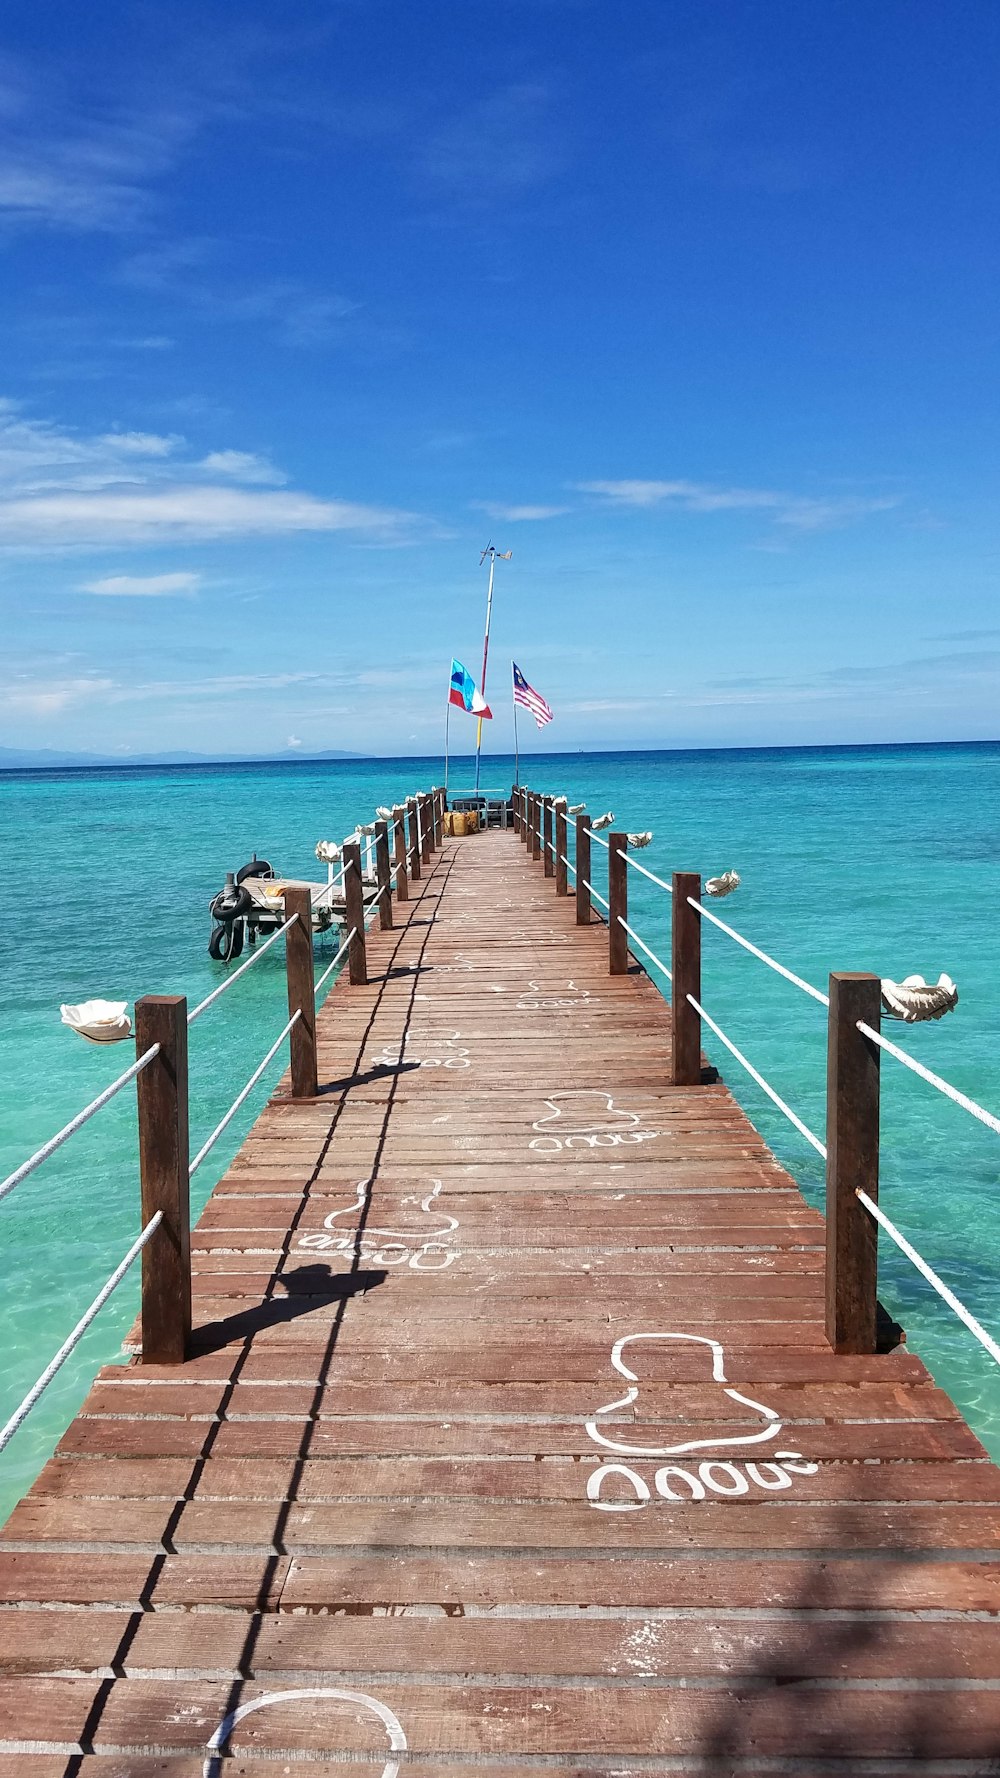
[
  {"x": 562, "y": 869},
  {"x": 399, "y": 850},
  {"x": 411, "y": 804},
  {"x": 164, "y": 1155},
  {"x": 427, "y": 820},
  {"x": 583, "y": 901},
  {"x": 852, "y": 1146},
  {"x": 548, "y": 861},
  {"x": 685, "y": 950},
  {"x": 523, "y": 823},
  {"x": 436, "y": 811},
  {"x": 617, "y": 904},
  {"x": 383, "y": 875},
  {"x": 536, "y": 828},
  {"x": 354, "y": 897},
  {"x": 301, "y": 976},
  {"x": 515, "y": 797}
]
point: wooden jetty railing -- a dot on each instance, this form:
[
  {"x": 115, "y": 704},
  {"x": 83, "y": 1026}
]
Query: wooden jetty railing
[
  {"x": 855, "y": 1322},
  {"x": 161, "y": 1072}
]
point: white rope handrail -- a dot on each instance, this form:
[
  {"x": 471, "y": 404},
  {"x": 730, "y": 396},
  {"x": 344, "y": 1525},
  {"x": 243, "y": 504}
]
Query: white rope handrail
[
  {"x": 765, "y": 1086},
  {"x": 37, "y": 1389},
  {"x": 634, "y": 936},
  {"x": 564, "y": 860},
  {"x": 243, "y": 1094},
  {"x": 597, "y": 895},
  {"x": 597, "y": 837},
  {"x": 929, "y": 1273},
  {"x": 943, "y": 1086},
  {"x": 634, "y": 862},
  {"x": 332, "y": 966},
  {"x": 77, "y": 1122},
  {"x": 755, "y": 951},
  {"x": 203, "y": 1005}
]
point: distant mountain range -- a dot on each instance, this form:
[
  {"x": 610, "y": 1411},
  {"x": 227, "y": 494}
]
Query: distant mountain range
[{"x": 14, "y": 759}]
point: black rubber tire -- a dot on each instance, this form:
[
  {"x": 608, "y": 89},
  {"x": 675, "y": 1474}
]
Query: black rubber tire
[
  {"x": 231, "y": 904},
  {"x": 259, "y": 868},
  {"x": 226, "y": 941}
]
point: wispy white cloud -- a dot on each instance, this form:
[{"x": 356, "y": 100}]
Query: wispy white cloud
[
  {"x": 243, "y": 466},
  {"x": 803, "y": 512},
  {"x": 66, "y": 165},
  {"x": 64, "y": 491},
  {"x": 192, "y": 270},
  {"x": 49, "y": 697},
  {"x": 140, "y": 444},
  {"x": 504, "y": 143},
  {"x": 183, "y": 514},
  {"x": 144, "y": 586},
  {"x": 516, "y": 515}
]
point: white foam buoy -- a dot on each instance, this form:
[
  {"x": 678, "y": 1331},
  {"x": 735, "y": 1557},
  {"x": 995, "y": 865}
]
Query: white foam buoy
[{"x": 99, "y": 1021}]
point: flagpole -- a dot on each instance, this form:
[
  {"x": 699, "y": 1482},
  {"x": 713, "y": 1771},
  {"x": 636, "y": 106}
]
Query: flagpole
[
  {"x": 517, "y": 768},
  {"x": 447, "y": 722},
  {"x": 486, "y": 650}
]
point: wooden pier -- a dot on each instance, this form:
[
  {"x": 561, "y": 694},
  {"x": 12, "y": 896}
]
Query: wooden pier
[{"x": 510, "y": 1437}]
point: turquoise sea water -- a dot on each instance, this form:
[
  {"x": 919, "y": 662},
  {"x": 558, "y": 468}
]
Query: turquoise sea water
[{"x": 851, "y": 858}]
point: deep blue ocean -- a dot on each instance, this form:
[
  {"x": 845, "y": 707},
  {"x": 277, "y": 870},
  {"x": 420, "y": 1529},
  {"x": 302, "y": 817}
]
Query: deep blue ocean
[{"x": 875, "y": 858}]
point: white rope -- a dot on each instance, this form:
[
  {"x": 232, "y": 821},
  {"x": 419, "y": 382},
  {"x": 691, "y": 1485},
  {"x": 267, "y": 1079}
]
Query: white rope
[
  {"x": 634, "y": 862},
  {"x": 819, "y": 1146},
  {"x": 943, "y": 1086},
  {"x": 21, "y": 1413},
  {"x": 788, "y": 974},
  {"x": 600, "y": 842},
  {"x": 597, "y": 895},
  {"x": 243, "y": 1094},
  {"x": 564, "y": 860},
  {"x": 653, "y": 958},
  {"x": 223, "y": 986},
  {"x": 76, "y": 1123},
  {"x": 929, "y": 1273},
  {"x": 332, "y": 966}
]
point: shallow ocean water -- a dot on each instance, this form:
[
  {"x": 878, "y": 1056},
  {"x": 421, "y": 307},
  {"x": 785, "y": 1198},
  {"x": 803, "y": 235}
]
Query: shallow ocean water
[{"x": 851, "y": 858}]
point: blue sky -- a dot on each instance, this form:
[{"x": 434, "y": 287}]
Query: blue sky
[{"x": 692, "y": 307}]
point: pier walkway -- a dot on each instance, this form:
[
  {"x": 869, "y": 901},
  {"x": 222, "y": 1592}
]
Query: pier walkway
[{"x": 511, "y": 1439}]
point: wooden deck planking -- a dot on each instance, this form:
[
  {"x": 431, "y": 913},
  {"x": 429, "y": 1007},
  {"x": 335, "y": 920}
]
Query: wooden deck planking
[{"x": 372, "y": 1473}]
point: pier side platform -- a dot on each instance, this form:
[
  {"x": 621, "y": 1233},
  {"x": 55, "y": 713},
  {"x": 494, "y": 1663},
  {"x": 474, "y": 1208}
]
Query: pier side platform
[{"x": 510, "y": 1439}]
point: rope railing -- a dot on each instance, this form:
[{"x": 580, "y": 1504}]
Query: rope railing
[
  {"x": 55, "y": 1364},
  {"x": 76, "y": 1123},
  {"x": 754, "y": 1073},
  {"x": 564, "y": 860},
  {"x": 224, "y": 987},
  {"x": 943, "y": 1086},
  {"x": 345, "y": 947},
  {"x": 852, "y": 1098},
  {"x": 965, "y": 1315},
  {"x": 163, "y": 1108},
  {"x": 646, "y": 872},
  {"x": 597, "y": 895},
  {"x": 242, "y": 1095},
  {"x": 755, "y": 951},
  {"x": 653, "y": 958}
]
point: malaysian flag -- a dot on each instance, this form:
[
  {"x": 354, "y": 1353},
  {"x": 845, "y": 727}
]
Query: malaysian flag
[{"x": 532, "y": 700}]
